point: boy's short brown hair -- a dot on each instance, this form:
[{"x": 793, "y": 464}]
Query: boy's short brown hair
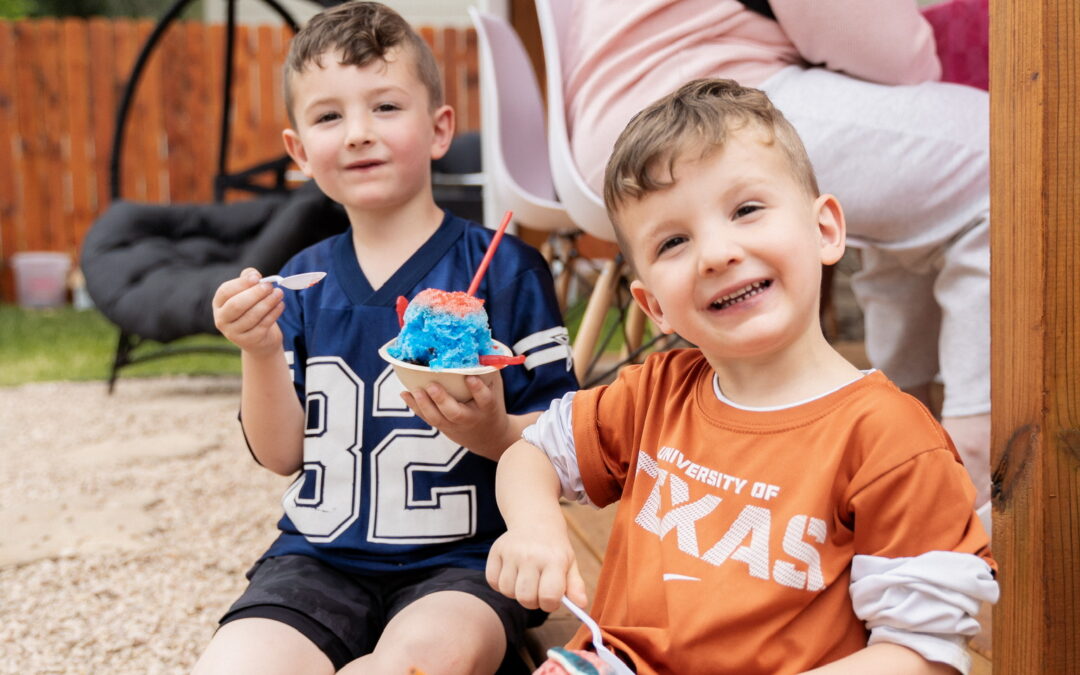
[
  {"x": 361, "y": 32},
  {"x": 695, "y": 118}
]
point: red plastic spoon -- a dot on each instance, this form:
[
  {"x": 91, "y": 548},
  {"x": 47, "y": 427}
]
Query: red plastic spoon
[{"x": 500, "y": 360}]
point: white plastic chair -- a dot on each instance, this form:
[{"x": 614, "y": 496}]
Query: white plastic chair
[
  {"x": 585, "y": 207},
  {"x": 513, "y": 142}
]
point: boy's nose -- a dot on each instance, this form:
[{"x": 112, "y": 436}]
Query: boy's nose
[
  {"x": 718, "y": 253},
  {"x": 360, "y": 133}
]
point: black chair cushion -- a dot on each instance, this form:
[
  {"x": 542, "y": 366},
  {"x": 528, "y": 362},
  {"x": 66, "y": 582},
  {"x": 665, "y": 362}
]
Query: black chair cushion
[{"x": 153, "y": 269}]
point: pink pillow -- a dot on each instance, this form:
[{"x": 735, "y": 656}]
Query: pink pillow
[{"x": 962, "y": 32}]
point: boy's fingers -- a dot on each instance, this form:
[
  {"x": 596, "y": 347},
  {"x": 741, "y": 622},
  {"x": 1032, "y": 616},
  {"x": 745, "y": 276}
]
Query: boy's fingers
[
  {"x": 423, "y": 406},
  {"x": 246, "y": 279},
  {"x": 553, "y": 583},
  {"x": 448, "y": 406},
  {"x": 493, "y": 569},
  {"x": 237, "y": 297},
  {"x": 228, "y": 290},
  {"x": 526, "y": 587},
  {"x": 575, "y": 586},
  {"x": 251, "y": 307},
  {"x": 482, "y": 394},
  {"x": 271, "y": 317},
  {"x": 508, "y": 579}
]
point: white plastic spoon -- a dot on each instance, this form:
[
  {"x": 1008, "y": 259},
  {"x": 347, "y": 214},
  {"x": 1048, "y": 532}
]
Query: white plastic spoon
[
  {"x": 605, "y": 654},
  {"x": 296, "y": 282}
]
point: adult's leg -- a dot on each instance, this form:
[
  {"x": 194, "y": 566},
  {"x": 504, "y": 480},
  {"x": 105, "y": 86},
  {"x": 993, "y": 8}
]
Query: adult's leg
[
  {"x": 445, "y": 633},
  {"x": 261, "y": 647},
  {"x": 963, "y": 291},
  {"x": 902, "y": 326},
  {"x": 910, "y": 166}
]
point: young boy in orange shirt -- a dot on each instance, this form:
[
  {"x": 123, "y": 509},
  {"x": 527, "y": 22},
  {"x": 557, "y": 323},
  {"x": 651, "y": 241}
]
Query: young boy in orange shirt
[{"x": 780, "y": 511}]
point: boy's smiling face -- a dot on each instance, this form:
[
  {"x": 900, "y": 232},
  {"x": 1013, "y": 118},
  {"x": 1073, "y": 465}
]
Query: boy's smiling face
[
  {"x": 729, "y": 256},
  {"x": 367, "y": 134}
]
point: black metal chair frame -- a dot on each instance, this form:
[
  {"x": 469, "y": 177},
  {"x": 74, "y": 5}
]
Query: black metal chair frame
[{"x": 223, "y": 180}]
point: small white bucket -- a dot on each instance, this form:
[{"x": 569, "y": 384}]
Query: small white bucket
[{"x": 41, "y": 278}]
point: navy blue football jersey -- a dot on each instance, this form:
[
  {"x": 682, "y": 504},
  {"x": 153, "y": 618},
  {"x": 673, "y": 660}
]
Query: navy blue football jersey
[{"x": 380, "y": 489}]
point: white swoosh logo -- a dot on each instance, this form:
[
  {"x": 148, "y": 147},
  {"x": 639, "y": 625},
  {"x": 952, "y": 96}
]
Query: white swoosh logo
[{"x": 680, "y": 577}]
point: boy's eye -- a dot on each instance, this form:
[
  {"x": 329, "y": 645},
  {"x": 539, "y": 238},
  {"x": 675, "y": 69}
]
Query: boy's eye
[
  {"x": 326, "y": 117},
  {"x": 387, "y": 107},
  {"x": 670, "y": 243},
  {"x": 746, "y": 209}
]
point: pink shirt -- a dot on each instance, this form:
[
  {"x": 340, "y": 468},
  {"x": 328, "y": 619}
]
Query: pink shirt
[{"x": 623, "y": 55}]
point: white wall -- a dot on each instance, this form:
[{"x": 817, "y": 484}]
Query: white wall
[{"x": 417, "y": 12}]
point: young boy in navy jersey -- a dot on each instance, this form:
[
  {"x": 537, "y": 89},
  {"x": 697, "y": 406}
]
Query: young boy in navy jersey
[{"x": 388, "y": 525}]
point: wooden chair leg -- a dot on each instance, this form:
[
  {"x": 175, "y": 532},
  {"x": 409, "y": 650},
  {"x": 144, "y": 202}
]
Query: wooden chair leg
[
  {"x": 634, "y": 330},
  {"x": 547, "y": 249},
  {"x": 830, "y": 321},
  {"x": 562, "y": 281},
  {"x": 592, "y": 322}
]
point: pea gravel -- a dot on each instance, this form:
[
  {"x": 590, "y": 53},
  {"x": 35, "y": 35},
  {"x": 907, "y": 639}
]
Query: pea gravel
[{"x": 126, "y": 522}]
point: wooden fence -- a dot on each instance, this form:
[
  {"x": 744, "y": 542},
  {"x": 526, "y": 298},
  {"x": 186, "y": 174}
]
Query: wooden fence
[{"x": 62, "y": 80}]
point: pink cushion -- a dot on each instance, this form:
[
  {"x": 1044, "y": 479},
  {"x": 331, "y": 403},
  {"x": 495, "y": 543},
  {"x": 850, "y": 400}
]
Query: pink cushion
[{"x": 962, "y": 33}]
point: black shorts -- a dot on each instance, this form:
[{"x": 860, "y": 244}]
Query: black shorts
[{"x": 344, "y": 614}]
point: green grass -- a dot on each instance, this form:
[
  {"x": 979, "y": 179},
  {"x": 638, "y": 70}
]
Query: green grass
[{"x": 40, "y": 345}]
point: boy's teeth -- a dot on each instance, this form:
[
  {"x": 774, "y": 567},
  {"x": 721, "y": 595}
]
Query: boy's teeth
[{"x": 748, "y": 291}]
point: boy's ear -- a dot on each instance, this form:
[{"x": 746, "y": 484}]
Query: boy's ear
[
  {"x": 295, "y": 147},
  {"x": 648, "y": 303},
  {"x": 443, "y": 120},
  {"x": 831, "y": 228}
]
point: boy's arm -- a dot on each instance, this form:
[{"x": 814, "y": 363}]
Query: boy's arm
[
  {"x": 921, "y": 568},
  {"x": 884, "y": 658},
  {"x": 246, "y": 312},
  {"x": 270, "y": 413},
  {"x": 534, "y": 561}
]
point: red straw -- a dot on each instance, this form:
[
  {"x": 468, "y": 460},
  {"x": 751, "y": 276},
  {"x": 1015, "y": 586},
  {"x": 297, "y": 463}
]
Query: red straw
[{"x": 490, "y": 252}]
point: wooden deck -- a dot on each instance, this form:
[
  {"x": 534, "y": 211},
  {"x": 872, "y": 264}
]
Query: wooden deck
[{"x": 589, "y": 529}]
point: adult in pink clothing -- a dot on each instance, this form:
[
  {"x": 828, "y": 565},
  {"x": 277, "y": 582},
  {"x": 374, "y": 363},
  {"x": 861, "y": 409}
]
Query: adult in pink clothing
[{"x": 907, "y": 155}]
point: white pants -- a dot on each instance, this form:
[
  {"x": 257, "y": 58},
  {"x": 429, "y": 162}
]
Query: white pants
[{"x": 910, "y": 165}]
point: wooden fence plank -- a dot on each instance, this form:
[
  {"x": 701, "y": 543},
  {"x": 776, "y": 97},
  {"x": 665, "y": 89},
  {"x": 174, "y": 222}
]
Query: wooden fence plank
[
  {"x": 132, "y": 187},
  {"x": 448, "y": 60},
  {"x": 8, "y": 140},
  {"x": 30, "y": 200},
  {"x": 285, "y": 35},
  {"x": 214, "y": 60},
  {"x": 76, "y": 69},
  {"x": 151, "y": 163},
  {"x": 103, "y": 101},
  {"x": 48, "y": 104},
  {"x": 242, "y": 131},
  {"x": 178, "y": 95},
  {"x": 204, "y": 101},
  {"x": 267, "y": 55},
  {"x": 471, "y": 83},
  {"x": 1035, "y": 333}
]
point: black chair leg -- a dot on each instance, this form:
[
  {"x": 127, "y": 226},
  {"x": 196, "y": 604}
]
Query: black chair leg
[{"x": 124, "y": 348}]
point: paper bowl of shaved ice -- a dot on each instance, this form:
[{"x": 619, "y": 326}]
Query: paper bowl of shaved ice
[{"x": 445, "y": 337}]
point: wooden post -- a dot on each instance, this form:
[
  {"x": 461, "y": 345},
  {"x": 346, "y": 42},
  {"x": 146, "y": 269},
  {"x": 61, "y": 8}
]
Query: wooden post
[{"x": 1035, "y": 332}]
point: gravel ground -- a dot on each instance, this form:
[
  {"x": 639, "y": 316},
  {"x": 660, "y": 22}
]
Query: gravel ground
[{"x": 128, "y": 522}]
